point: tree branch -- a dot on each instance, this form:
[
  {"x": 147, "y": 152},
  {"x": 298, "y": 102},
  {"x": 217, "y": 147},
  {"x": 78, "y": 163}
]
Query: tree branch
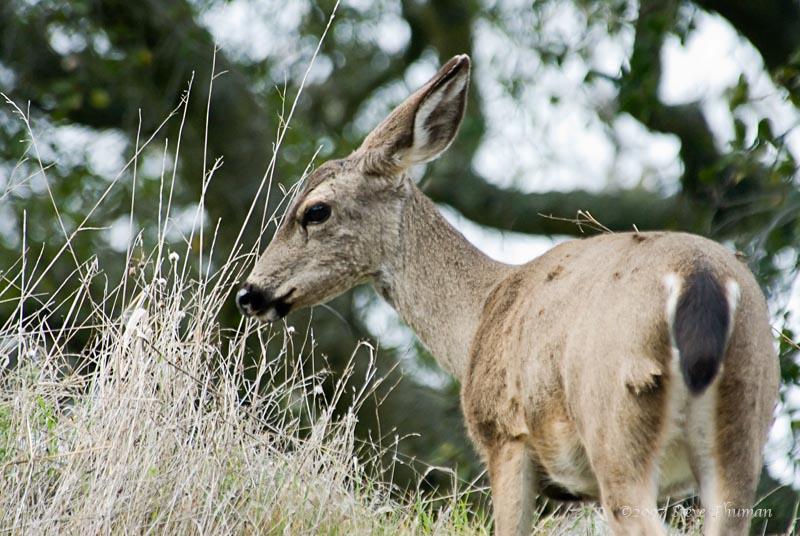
[
  {"x": 638, "y": 94},
  {"x": 512, "y": 210}
]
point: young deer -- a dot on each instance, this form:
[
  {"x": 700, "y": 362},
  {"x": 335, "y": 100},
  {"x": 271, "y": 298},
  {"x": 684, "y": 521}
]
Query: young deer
[{"x": 623, "y": 367}]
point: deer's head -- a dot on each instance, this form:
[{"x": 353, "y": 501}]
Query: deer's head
[{"x": 347, "y": 217}]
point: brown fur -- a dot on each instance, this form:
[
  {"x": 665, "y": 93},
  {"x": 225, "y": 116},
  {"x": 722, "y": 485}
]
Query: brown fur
[{"x": 570, "y": 376}]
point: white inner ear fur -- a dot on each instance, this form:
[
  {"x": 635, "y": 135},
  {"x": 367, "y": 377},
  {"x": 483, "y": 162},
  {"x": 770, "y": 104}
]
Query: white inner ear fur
[{"x": 420, "y": 150}]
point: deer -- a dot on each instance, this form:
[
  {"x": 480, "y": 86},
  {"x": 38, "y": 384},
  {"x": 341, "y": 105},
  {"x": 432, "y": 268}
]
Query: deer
[{"x": 621, "y": 368}]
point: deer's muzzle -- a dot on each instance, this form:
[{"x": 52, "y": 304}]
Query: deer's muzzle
[{"x": 263, "y": 304}]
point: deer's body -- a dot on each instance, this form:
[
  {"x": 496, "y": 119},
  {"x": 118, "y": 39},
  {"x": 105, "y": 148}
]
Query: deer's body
[
  {"x": 573, "y": 362},
  {"x": 623, "y": 367}
]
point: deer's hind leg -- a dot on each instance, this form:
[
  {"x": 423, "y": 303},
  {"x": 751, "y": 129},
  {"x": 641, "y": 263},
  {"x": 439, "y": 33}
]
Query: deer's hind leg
[
  {"x": 727, "y": 429},
  {"x": 623, "y": 445}
]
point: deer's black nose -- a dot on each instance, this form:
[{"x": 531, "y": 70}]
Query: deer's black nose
[{"x": 251, "y": 300}]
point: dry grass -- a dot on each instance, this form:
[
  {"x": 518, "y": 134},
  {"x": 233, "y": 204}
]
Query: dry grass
[{"x": 167, "y": 435}]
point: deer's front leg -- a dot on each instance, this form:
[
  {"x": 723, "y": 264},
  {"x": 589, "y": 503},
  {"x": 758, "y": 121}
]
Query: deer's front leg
[{"x": 512, "y": 476}]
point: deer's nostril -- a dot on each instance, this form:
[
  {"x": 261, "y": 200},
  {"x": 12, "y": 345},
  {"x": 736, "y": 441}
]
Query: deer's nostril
[
  {"x": 251, "y": 300},
  {"x": 243, "y": 299}
]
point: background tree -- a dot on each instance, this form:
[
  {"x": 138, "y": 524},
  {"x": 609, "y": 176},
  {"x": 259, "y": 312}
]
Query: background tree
[{"x": 97, "y": 72}]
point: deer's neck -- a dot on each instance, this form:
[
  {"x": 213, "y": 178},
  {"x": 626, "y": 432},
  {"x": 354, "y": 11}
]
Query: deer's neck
[{"x": 437, "y": 281}]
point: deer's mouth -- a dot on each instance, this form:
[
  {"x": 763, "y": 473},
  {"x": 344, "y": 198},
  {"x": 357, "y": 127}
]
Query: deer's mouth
[{"x": 277, "y": 308}]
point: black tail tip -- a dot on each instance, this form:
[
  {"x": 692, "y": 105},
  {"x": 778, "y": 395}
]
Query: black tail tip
[{"x": 699, "y": 374}]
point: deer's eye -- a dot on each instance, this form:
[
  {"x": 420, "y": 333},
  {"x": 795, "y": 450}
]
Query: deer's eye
[{"x": 316, "y": 213}]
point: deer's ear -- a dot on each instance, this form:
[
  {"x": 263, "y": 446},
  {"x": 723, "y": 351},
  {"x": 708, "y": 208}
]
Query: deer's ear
[{"x": 425, "y": 124}]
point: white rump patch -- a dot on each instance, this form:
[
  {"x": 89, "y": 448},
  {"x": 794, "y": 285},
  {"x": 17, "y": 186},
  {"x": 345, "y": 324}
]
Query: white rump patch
[
  {"x": 673, "y": 285},
  {"x": 733, "y": 293},
  {"x": 674, "y": 468}
]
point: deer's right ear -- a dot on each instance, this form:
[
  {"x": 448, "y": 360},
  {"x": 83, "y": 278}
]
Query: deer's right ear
[{"x": 425, "y": 124}]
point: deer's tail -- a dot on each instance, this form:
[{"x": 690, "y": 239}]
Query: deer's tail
[{"x": 701, "y": 325}]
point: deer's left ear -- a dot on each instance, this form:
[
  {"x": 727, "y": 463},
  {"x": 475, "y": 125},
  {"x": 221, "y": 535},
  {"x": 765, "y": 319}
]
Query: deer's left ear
[{"x": 426, "y": 123}]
